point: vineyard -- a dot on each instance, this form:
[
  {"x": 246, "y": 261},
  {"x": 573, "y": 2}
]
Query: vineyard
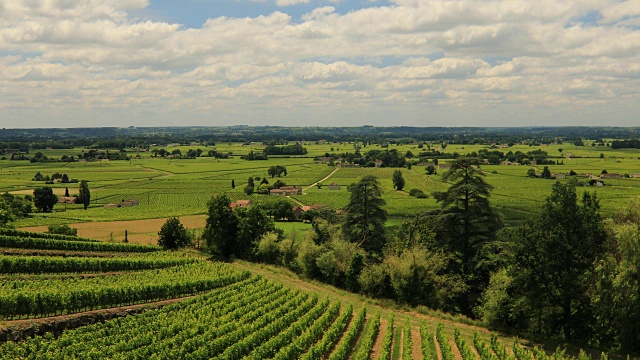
[{"x": 225, "y": 313}]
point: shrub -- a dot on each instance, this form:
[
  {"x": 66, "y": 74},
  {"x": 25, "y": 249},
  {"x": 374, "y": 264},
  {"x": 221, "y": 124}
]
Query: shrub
[{"x": 62, "y": 230}]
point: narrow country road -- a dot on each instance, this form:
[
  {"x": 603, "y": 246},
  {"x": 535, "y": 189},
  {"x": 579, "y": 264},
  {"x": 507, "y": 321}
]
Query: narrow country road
[{"x": 319, "y": 181}]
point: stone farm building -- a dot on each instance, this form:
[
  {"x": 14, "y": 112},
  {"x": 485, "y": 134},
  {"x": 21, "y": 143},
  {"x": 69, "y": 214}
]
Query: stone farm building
[
  {"x": 240, "y": 204},
  {"x": 287, "y": 191},
  {"x": 334, "y": 186},
  {"x": 610, "y": 176},
  {"x": 297, "y": 211}
]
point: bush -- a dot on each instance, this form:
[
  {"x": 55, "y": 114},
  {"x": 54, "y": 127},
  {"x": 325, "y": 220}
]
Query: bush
[
  {"x": 268, "y": 248},
  {"x": 374, "y": 281},
  {"x": 417, "y": 193},
  {"x": 308, "y": 252},
  {"x": 62, "y": 230}
]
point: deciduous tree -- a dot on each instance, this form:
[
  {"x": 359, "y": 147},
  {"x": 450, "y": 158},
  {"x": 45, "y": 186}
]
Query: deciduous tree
[
  {"x": 173, "y": 234},
  {"x": 398, "y": 180},
  {"x": 221, "y": 226},
  {"x": 44, "y": 199}
]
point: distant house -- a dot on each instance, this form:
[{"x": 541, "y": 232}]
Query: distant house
[
  {"x": 287, "y": 191},
  {"x": 635, "y": 176},
  {"x": 66, "y": 200},
  {"x": 378, "y": 163},
  {"x": 324, "y": 160},
  {"x": 240, "y": 204},
  {"x": 334, "y": 186},
  {"x": 444, "y": 166},
  {"x": 297, "y": 211},
  {"x": 560, "y": 176},
  {"x": 611, "y": 176}
]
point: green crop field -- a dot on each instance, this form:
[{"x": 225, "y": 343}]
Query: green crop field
[
  {"x": 224, "y": 311},
  {"x": 175, "y": 187}
]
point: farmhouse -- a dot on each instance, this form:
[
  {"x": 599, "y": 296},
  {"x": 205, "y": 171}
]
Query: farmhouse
[
  {"x": 444, "y": 166},
  {"x": 297, "y": 211},
  {"x": 287, "y": 191},
  {"x": 611, "y": 176},
  {"x": 240, "y": 204},
  {"x": 324, "y": 160},
  {"x": 560, "y": 176},
  {"x": 334, "y": 186}
]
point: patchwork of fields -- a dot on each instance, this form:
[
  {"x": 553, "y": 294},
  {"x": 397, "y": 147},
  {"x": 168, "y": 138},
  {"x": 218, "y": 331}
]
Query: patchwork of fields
[
  {"x": 225, "y": 312},
  {"x": 180, "y": 187}
]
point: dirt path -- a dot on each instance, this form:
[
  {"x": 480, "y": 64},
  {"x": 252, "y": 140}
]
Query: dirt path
[
  {"x": 416, "y": 344},
  {"x": 295, "y": 201},
  {"x": 377, "y": 345},
  {"x": 15, "y": 330},
  {"x": 438, "y": 351},
  {"x": 401, "y": 340},
  {"x": 319, "y": 181},
  {"x": 454, "y": 347}
]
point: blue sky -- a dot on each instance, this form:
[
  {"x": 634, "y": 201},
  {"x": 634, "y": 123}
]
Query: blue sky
[
  {"x": 193, "y": 13},
  {"x": 350, "y": 62}
]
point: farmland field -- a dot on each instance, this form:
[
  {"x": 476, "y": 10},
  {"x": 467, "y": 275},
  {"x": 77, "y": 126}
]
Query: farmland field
[
  {"x": 182, "y": 187},
  {"x": 238, "y": 311}
]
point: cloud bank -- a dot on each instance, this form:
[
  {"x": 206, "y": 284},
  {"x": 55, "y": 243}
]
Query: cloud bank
[{"x": 410, "y": 62}]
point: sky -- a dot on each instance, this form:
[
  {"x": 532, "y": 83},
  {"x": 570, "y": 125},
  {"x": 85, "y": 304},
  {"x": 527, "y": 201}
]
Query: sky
[{"x": 90, "y": 63}]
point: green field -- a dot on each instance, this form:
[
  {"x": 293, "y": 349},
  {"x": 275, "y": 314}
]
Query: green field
[{"x": 173, "y": 187}]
